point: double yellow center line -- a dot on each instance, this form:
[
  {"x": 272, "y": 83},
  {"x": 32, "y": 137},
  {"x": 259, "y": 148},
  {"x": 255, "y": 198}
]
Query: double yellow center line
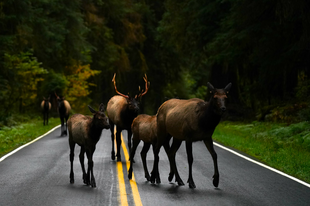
[{"x": 121, "y": 180}]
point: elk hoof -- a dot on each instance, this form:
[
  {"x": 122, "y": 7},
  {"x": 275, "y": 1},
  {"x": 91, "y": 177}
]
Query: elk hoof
[
  {"x": 179, "y": 181},
  {"x": 118, "y": 159},
  {"x": 85, "y": 179},
  {"x": 158, "y": 180},
  {"x": 216, "y": 180},
  {"x": 147, "y": 176},
  {"x": 93, "y": 183},
  {"x": 71, "y": 178},
  {"x": 130, "y": 174},
  {"x": 171, "y": 174},
  {"x": 153, "y": 177},
  {"x": 113, "y": 155},
  {"x": 191, "y": 185}
]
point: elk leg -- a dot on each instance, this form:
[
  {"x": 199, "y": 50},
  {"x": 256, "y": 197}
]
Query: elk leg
[
  {"x": 167, "y": 149},
  {"x": 156, "y": 150},
  {"x": 143, "y": 154},
  {"x": 155, "y": 173},
  {"x": 82, "y": 155},
  {"x": 72, "y": 146},
  {"x": 65, "y": 131},
  {"x": 132, "y": 154},
  {"x": 118, "y": 144},
  {"x": 47, "y": 118},
  {"x": 174, "y": 148},
  {"x": 112, "y": 138},
  {"x": 216, "y": 177},
  {"x": 90, "y": 173},
  {"x": 62, "y": 126},
  {"x": 190, "y": 159}
]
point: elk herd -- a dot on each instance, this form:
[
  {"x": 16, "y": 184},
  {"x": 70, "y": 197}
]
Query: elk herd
[{"x": 188, "y": 120}]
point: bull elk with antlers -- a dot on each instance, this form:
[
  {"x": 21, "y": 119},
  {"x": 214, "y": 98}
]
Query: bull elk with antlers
[{"x": 121, "y": 110}]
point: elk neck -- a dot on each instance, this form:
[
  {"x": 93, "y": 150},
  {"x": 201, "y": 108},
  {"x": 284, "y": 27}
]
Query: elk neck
[
  {"x": 94, "y": 131},
  {"x": 208, "y": 119},
  {"x": 128, "y": 115}
]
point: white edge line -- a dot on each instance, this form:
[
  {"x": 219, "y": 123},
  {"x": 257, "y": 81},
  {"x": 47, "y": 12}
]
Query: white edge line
[
  {"x": 221, "y": 146},
  {"x": 263, "y": 165},
  {"x": 25, "y": 145}
]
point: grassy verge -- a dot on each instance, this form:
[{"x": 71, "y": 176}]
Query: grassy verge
[
  {"x": 286, "y": 148},
  {"x": 13, "y": 137}
]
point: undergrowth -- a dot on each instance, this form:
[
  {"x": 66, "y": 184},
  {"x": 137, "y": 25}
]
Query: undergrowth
[
  {"x": 284, "y": 147},
  {"x": 22, "y": 132}
]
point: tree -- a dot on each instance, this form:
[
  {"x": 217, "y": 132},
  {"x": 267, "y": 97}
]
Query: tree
[{"x": 22, "y": 74}]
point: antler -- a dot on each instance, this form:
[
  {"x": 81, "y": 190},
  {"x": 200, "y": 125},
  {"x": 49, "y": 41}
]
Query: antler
[
  {"x": 113, "y": 80},
  {"x": 147, "y": 84},
  {"x": 56, "y": 95}
]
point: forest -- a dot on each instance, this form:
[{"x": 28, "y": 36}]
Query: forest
[{"x": 74, "y": 47}]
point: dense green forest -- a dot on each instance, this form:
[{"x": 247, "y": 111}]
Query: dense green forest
[{"x": 73, "y": 48}]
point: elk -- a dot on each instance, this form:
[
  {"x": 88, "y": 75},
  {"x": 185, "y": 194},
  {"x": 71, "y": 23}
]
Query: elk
[
  {"x": 63, "y": 110},
  {"x": 189, "y": 120},
  {"x": 86, "y": 131},
  {"x": 144, "y": 127},
  {"x": 45, "y": 106},
  {"x": 121, "y": 110}
]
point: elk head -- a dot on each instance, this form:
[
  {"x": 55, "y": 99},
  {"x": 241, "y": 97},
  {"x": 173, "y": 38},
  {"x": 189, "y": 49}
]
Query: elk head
[
  {"x": 47, "y": 99},
  {"x": 59, "y": 100},
  {"x": 219, "y": 97},
  {"x": 100, "y": 120},
  {"x": 133, "y": 102}
]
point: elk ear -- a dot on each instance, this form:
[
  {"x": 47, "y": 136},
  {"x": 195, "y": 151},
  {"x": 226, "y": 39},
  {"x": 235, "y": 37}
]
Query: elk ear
[
  {"x": 227, "y": 88},
  {"x": 91, "y": 109},
  {"x": 210, "y": 87},
  {"x": 101, "y": 107}
]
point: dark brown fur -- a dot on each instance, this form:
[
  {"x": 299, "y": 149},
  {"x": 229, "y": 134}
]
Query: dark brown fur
[
  {"x": 144, "y": 127},
  {"x": 46, "y": 107},
  {"x": 121, "y": 110},
  {"x": 86, "y": 131},
  {"x": 189, "y": 120},
  {"x": 64, "y": 112}
]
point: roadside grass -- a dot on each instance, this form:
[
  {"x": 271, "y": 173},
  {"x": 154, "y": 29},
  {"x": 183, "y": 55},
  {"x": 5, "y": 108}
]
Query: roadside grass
[
  {"x": 286, "y": 148},
  {"x": 15, "y": 136}
]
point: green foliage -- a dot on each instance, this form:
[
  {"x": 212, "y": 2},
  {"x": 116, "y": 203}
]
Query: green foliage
[
  {"x": 283, "y": 147},
  {"x": 21, "y": 76},
  {"x": 12, "y": 137},
  {"x": 54, "y": 82},
  {"x": 259, "y": 46},
  {"x": 185, "y": 87},
  {"x": 287, "y": 113},
  {"x": 79, "y": 88}
]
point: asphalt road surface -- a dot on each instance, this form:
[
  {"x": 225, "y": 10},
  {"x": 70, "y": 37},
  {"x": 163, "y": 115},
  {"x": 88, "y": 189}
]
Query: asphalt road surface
[{"x": 38, "y": 174}]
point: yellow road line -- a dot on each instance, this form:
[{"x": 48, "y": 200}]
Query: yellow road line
[
  {"x": 121, "y": 180},
  {"x": 133, "y": 184},
  {"x": 121, "y": 183}
]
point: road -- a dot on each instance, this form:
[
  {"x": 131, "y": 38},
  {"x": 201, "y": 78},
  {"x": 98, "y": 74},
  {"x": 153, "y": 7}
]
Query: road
[{"x": 39, "y": 175}]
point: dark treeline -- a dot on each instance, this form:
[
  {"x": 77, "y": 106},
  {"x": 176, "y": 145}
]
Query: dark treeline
[{"x": 73, "y": 48}]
